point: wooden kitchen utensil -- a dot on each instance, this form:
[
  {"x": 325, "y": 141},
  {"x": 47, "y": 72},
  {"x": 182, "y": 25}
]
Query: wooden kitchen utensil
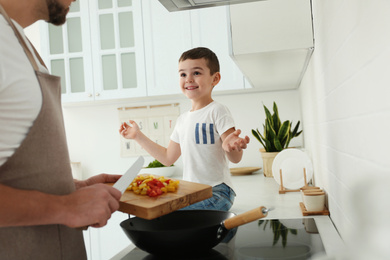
[
  {"x": 152, "y": 207},
  {"x": 283, "y": 190},
  {"x": 305, "y": 212}
]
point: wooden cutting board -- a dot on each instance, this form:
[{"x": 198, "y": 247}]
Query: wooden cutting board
[{"x": 152, "y": 207}]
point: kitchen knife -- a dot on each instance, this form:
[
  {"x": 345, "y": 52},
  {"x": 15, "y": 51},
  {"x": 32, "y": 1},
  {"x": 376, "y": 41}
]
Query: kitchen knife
[
  {"x": 129, "y": 175},
  {"x": 126, "y": 179}
]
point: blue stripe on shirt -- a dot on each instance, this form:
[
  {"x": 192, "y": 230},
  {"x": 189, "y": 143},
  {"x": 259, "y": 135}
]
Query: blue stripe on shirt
[
  {"x": 197, "y": 133},
  {"x": 204, "y": 133},
  {"x": 212, "y": 133}
]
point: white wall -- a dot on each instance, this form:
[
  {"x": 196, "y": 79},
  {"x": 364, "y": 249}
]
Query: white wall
[
  {"x": 346, "y": 113},
  {"x": 92, "y": 130}
]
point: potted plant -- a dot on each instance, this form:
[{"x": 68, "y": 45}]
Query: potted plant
[{"x": 276, "y": 137}]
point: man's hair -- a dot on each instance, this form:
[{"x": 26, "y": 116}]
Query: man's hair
[{"x": 205, "y": 53}]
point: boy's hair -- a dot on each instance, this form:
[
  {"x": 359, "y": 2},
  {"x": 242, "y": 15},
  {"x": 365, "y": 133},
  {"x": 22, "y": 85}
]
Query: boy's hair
[{"x": 205, "y": 53}]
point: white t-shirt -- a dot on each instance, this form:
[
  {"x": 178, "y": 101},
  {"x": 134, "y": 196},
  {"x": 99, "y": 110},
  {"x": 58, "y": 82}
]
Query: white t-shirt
[
  {"x": 20, "y": 94},
  {"x": 199, "y": 135}
]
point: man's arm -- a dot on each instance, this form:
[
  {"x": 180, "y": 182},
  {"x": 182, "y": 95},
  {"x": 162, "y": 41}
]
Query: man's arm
[{"x": 88, "y": 206}]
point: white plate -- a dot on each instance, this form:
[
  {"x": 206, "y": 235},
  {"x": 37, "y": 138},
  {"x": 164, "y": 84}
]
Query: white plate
[{"x": 292, "y": 162}]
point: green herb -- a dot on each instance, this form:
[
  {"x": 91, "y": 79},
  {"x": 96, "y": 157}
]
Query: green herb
[{"x": 156, "y": 164}]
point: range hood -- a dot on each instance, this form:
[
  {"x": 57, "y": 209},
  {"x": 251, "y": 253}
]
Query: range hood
[
  {"x": 272, "y": 42},
  {"x": 180, "y": 5}
]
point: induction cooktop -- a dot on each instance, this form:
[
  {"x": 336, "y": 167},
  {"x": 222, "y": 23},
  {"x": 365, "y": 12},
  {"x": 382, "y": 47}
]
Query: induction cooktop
[{"x": 263, "y": 239}]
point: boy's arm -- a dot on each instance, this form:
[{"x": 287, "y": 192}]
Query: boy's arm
[
  {"x": 233, "y": 144},
  {"x": 166, "y": 156}
]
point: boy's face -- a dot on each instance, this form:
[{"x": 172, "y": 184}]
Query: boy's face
[{"x": 195, "y": 79}]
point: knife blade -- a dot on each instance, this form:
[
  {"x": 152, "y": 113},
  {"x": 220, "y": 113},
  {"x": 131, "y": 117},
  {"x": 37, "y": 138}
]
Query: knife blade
[
  {"x": 123, "y": 182},
  {"x": 129, "y": 175}
]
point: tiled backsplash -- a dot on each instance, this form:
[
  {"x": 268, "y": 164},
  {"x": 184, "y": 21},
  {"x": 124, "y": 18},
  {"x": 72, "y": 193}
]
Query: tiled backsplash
[{"x": 345, "y": 102}]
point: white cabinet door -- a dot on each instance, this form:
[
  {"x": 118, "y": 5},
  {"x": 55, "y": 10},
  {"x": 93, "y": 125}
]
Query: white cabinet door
[
  {"x": 210, "y": 29},
  {"x": 98, "y": 52},
  {"x": 107, "y": 241},
  {"x": 167, "y": 36},
  {"x": 117, "y": 49}
]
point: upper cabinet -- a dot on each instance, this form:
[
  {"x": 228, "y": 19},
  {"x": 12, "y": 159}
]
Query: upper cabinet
[
  {"x": 98, "y": 52},
  {"x": 210, "y": 28},
  {"x": 272, "y": 42},
  {"x": 169, "y": 34},
  {"x": 112, "y": 49}
]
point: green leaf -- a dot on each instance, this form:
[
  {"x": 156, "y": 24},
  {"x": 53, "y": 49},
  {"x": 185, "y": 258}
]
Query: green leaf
[
  {"x": 275, "y": 118},
  {"x": 255, "y": 134},
  {"x": 268, "y": 119},
  {"x": 288, "y": 141},
  {"x": 284, "y": 237},
  {"x": 258, "y": 136},
  {"x": 278, "y": 145},
  {"x": 284, "y": 130},
  {"x": 268, "y": 146},
  {"x": 294, "y": 132},
  {"x": 271, "y": 132},
  {"x": 275, "y": 108}
]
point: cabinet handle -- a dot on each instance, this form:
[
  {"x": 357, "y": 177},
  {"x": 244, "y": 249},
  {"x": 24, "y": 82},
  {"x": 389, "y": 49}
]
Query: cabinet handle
[
  {"x": 97, "y": 94},
  {"x": 89, "y": 95}
]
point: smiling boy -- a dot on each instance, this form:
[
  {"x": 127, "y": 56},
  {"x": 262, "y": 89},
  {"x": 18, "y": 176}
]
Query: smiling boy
[{"x": 205, "y": 136}]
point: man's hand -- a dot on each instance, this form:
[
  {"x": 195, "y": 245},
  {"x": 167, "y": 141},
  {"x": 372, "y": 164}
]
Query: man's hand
[
  {"x": 101, "y": 178},
  {"x": 89, "y": 206}
]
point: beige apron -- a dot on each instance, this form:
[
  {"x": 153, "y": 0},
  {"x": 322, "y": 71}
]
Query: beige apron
[{"x": 41, "y": 163}]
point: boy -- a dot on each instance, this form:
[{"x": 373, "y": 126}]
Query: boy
[{"x": 205, "y": 136}]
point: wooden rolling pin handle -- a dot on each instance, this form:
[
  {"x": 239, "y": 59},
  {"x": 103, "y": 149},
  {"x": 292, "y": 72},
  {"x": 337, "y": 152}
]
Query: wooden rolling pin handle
[{"x": 244, "y": 218}]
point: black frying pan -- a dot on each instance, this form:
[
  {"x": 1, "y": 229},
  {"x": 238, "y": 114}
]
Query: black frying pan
[{"x": 186, "y": 231}]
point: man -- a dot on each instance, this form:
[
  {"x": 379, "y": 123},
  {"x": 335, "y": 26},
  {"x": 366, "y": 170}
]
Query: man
[{"x": 41, "y": 205}]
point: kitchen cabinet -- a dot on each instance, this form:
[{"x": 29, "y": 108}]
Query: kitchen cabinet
[
  {"x": 98, "y": 52},
  {"x": 210, "y": 27},
  {"x": 169, "y": 34},
  {"x": 132, "y": 49},
  {"x": 103, "y": 243},
  {"x": 272, "y": 42}
]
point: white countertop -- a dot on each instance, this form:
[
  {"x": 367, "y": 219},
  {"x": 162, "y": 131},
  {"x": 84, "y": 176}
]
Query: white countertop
[{"x": 255, "y": 190}]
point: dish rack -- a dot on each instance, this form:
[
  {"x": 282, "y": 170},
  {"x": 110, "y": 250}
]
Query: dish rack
[{"x": 283, "y": 190}]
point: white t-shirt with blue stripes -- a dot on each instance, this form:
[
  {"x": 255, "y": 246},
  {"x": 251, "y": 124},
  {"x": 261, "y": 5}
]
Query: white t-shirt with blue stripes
[{"x": 199, "y": 135}]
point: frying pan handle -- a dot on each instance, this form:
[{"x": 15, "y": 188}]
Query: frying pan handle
[{"x": 246, "y": 217}]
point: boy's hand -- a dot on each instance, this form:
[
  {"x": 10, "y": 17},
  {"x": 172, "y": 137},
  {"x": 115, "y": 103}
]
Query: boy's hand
[
  {"x": 129, "y": 131},
  {"x": 233, "y": 142}
]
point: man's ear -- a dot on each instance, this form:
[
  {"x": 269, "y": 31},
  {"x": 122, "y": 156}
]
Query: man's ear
[{"x": 217, "y": 78}]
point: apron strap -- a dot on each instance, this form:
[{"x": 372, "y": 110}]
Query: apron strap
[{"x": 22, "y": 42}]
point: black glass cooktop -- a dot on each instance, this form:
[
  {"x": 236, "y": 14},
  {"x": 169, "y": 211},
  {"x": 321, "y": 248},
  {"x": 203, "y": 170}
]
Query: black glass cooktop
[{"x": 263, "y": 239}]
